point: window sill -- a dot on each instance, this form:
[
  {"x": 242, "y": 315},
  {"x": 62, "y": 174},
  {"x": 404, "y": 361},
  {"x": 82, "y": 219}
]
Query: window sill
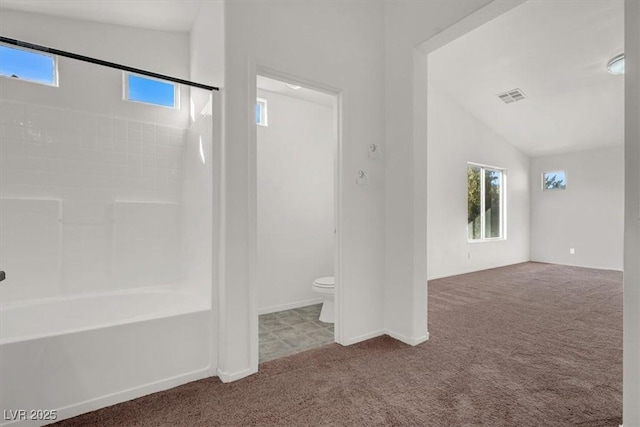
[{"x": 500, "y": 239}]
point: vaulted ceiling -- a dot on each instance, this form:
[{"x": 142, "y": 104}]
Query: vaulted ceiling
[
  {"x": 167, "y": 15},
  {"x": 556, "y": 52}
]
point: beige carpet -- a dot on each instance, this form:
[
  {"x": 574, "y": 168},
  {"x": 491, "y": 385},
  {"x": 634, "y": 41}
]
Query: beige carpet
[{"x": 525, "y": 345}]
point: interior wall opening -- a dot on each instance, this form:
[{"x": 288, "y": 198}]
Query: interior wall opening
[
  {"x": 490, "y": 103},
  {"x": 296, "y": 229},
  {"x": 557, "y": 132}
]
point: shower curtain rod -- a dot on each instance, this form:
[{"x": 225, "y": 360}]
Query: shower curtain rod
[{"x": 52, "y": 51}]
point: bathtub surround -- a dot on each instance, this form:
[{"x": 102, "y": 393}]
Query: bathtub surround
[
  {"x": 513, "y": 346},
  {"x": 295, "y": 166},
  {"x": 98, "y": 204},
  {"x": 106, "y": 224},
  {"x": 107, "y": 177}
]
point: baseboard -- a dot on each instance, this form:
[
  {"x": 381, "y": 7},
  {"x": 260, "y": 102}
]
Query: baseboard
[
  {"x": 355, "y": 340},
  {"x": 118, "y": 397},
  {"x": 226, "y": 377},
  {"x": 579, "y": 265},
  {"x": 411, "y": 341},
  {"x": 289, "y": 306},
  {"x": 475, "y": 270}
]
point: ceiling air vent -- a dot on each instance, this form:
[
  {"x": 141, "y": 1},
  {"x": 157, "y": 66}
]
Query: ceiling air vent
[{"x": 514, "y": 95}]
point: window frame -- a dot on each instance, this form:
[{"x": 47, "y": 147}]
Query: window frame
[
  {"x": 264, "y": 112},
  {"x": 125, "y": 90},
  {"x": 542, "y": 180},
  {"x": 503, "y": 204},
  {"x": 55, "y": 82}
]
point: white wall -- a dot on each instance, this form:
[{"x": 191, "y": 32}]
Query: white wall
[
  {"x": 587, "y": 216},
  {"x": 407, "y": 25},
  {"x": 207, "y": 50},
  {"x": 456, "y": 138},
  {"x": 295, "y": 201},
  {"x": 339, "y": 45},
  {"x": 631, "y": 362},
  {"x": 207, "y": 44}
]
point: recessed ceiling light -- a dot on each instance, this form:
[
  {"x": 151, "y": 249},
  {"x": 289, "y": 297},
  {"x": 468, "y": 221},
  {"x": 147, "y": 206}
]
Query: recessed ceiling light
[
  {"x": 616, "y": 65},
  {"x": 294, "y": 87}
]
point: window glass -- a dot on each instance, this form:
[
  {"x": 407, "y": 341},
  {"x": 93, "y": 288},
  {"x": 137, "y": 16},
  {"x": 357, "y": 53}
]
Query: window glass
[
  {"x": 492, "y": 196},
  {"x": 485, "y": 203},
  {"x": 261, "y": 112},
  {"x": 151, "y": 91},
  {"x": 554, "y": 180},
  {"x": 473, "y": 202},
  {"x": 28, "y": 65},
  {"x": 258, "y": 113}
]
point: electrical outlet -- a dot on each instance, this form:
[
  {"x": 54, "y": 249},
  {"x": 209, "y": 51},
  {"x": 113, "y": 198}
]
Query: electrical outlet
[{"x": 572, "y": 251}]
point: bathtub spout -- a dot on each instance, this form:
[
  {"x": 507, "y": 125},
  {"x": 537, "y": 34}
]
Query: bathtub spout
[{"x": 2, "y": 276}]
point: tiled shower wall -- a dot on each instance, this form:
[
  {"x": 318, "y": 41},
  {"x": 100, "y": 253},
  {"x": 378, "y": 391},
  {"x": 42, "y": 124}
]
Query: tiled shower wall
[
  {"x": 89, "y": 202},
  {"x": 197, "y": 206}
]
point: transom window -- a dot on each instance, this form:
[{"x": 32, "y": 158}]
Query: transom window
[
  {"x": 28, "y": 65},
  {"x": 486, "y": 201},
  {"x": 150, "y": 91}
]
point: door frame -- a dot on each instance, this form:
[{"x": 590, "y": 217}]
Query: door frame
[{"x": 258, "y": 68}]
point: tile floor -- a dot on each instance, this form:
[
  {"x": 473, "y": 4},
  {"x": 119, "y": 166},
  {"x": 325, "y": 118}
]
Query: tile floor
[{"x": 292, "y": 331}]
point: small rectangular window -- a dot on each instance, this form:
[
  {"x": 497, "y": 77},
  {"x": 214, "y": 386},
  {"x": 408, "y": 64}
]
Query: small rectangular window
[
  {"x": 556, "y": 180},
  {"x": 261, "y": 112},
  {"x": 28, "y": 65},
  {"x": 485, "y": 203},
  {"x": 150, "y": 91}
]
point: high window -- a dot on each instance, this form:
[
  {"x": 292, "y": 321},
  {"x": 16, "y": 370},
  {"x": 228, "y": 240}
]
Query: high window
[
  {"x": 261, "y": 112},
  {"x": 486, "y": 201},
  {"x": 150, "y": 91},
  {"x": 28, "y": 65},
  {"x": 556, "y": 180}
]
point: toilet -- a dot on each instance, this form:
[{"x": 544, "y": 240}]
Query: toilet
[{"x": 326, "y": 287}]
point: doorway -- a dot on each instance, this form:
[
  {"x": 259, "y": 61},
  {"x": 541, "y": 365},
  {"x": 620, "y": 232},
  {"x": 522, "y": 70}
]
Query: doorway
[
  {"x": 548, "y": 175},
  {"x": 295, "y": 210}
]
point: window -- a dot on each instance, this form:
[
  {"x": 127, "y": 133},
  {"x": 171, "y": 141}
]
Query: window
[
  {"x": 150, "y": 91},
  {"x": 29, "y": 65},
  {"x": 261, "y": 112},
  {"x": 486, "y": 201},
  {"x": 554, "y": 180}
]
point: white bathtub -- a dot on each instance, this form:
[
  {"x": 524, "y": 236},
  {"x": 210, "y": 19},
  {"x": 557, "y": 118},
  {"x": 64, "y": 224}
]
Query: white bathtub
[
  {"x": 78, "y": 354},
  {"x": 54, "y": 316}
]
